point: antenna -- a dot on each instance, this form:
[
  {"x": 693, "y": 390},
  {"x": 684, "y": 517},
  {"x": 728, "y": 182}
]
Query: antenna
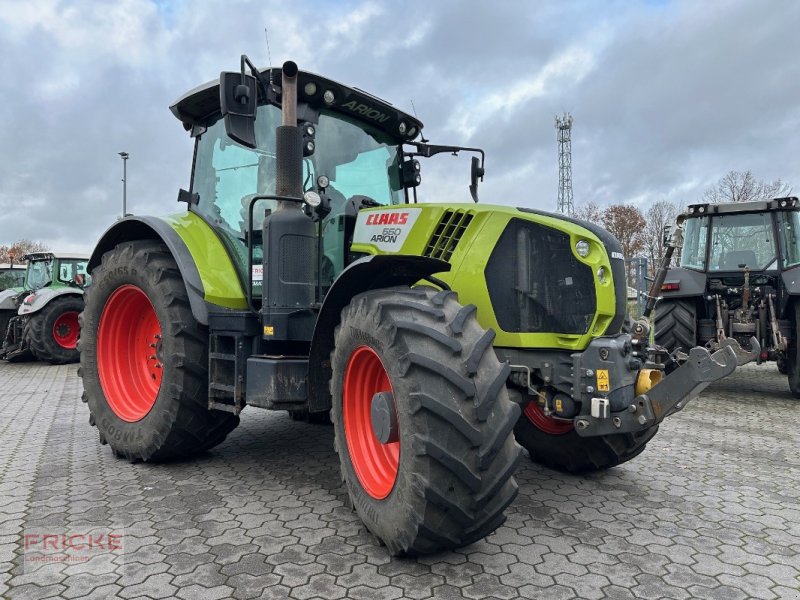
[
  {"x": 564, "y": 128},
  {"x": 422, "y": 135},
  {"x": 269, "y": 57}
]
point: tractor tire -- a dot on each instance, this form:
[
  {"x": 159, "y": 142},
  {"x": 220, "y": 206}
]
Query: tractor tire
[
  {"x": 556, "y": 444},
  {"x": 676, "y": 325},
  {"x": 783, "y": 365},
  {"x": 53, "y": 331},
  {"x": 147, "y": 393},
  {"x": 793, "y": 352},
  {"x": 437, "y": 473}
]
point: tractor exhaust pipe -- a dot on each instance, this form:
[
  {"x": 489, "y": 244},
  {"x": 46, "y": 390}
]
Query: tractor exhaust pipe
[
  {"x": 290, "y": 259},
  {"x": 289, "y": 138}
]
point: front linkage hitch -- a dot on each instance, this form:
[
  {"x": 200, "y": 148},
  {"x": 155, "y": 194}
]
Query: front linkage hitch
[{"x": 650, "y": 407}]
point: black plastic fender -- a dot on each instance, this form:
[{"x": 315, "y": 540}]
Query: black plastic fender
[
  {"x": 368, "y": 273},
  {"x": 692, "y": 283},
  {"x": 152, "y": 228}
]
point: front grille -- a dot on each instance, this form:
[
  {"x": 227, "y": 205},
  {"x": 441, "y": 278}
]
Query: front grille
[
  {"x": 448, "y": 233},
  {"x": 536, "y": 284}
]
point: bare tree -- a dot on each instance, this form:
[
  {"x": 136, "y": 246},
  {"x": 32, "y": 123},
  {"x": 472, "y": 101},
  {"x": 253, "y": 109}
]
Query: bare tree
[
  {"x": 742, "y": 186},
  {"x": 627, "y": 224},
  {"x": 660, "y": 215},
  {"x": 589, "y": 211},
  {"x": 20, "y": 248}
]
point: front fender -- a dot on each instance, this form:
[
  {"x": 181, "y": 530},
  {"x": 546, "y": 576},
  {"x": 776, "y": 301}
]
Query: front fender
[
  {"x": 368, "y": 273},
  {"x": 42, "y": 297}
]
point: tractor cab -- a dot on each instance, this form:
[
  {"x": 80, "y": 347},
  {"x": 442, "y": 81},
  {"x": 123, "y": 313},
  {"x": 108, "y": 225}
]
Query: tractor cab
[
  {"x": 357, "y": 152},
  {"x": 46, "y": 269}
]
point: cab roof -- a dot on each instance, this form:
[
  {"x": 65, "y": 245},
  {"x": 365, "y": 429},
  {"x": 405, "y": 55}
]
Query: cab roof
[
  {"x": 59, "y": 255},
  {"x": 201, "y": 106},
  {"x": 726, "y": 208}
]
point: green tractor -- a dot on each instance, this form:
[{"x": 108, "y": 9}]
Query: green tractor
[
  {"x": 305, "y": 277},
  {"x": 40, "y": 319}
]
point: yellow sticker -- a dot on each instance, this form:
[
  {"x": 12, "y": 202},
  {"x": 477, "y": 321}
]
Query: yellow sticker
[
  {"x": 269, "y": 330},
  {"x": 602, "y": 380}
]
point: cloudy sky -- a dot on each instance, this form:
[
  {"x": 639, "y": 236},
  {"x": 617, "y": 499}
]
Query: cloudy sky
[{"x": 667, "y": 96}]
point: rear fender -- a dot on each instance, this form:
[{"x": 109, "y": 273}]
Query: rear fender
[
  {"x": 41, "y": 298},
  {"x": 152, "y": 228},
  {"x": 691, "y": 283},
  {"x": 7, "y": 299},
  {"x": 368, "y": 273}
]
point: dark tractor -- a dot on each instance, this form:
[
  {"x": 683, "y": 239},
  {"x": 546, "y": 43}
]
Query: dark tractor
[
  {"x": 305, "y": 277},
  {"x": 738, "y": 284}
]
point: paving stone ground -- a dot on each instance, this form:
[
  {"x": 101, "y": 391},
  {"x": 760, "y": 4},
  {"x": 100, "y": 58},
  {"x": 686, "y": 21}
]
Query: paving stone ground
[{"x": 710, "y": 510}]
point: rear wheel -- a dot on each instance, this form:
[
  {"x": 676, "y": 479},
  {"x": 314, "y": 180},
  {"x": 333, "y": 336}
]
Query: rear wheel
[
  {"x": 144, "y": 358},
  {"x": 53, "y": 331},
  {"x": 555, "y": 444},
  {"x": 422, "y": 420},
  {"x": 676, "y": 324}
]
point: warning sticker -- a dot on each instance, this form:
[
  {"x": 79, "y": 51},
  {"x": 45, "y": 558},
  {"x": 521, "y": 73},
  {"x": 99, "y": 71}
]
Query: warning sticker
[{"x": 602, "y": 380}]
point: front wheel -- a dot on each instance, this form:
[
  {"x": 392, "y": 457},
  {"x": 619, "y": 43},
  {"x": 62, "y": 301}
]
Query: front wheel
[
  {"x": 555, "y": 443},
  {"x": 144, "y": 358},
  {"x": 53, "y": 331},
  {"x": 422, "y": 420}
]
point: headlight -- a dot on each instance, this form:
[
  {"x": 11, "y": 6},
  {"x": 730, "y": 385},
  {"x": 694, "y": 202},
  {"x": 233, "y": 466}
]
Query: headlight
[
  {"x": 582, "y": 248},
  {"x": 312, "y": 198},
  {"x": 602, "y": 274}
]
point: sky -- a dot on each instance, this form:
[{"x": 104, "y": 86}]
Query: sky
[{"x": 666, "y": 96}]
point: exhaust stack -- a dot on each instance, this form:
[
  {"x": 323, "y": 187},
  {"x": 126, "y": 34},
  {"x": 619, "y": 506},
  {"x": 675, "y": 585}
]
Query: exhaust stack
[{"x": 289, "y": 138}]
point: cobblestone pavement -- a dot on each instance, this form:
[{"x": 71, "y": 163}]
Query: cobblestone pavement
[{"x": 709, "y": 510}]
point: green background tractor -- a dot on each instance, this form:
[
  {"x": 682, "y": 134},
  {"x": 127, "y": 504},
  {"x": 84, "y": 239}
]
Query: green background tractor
[
  {"x": 305, "y": 277},
  {"x": 41, "y": 318}
]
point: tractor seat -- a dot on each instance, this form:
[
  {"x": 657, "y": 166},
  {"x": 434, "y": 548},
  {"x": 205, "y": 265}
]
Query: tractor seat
[{"x": 732, "y": 260}]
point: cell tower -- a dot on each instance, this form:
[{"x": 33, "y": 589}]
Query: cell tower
[{"x": 564, "y": 128}]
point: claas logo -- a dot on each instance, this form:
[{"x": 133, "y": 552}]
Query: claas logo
[{"x": 387, "y": 218}]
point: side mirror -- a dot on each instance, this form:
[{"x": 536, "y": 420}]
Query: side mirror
[
  {"x": 237, "y": 98},
  {"x": 476, "y": 171}
]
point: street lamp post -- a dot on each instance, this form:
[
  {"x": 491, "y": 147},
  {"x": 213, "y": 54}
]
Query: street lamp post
[{"x": 124, "y": 156}]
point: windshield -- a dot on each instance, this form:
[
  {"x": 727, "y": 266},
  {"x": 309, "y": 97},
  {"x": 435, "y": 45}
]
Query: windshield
[
  {"x": 73, "y": 271},
  {"x": 10, "y": 278},
  {"x": 738, "y": 240},
  {"x": 38, "y": 274},
  {"x": 790, "y": 238},
  {"x": 357, "y": 159},
  {"x": 695, "y": 235}
]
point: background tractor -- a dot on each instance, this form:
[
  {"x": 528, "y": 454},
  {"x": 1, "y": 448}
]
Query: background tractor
[
  {"x": 40, "y": 319},
  {"x": 305, "y": 277},
  {"x": 11, "y": 276},
  {"x": 738, "y": 283}
]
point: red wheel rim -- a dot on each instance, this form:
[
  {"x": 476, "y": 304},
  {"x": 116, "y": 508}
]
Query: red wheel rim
[
  {"x": 65, "y": 330},
  {"x": 375, "y": 464},
  {"x": 547, "y": 424},
  {"x": 129, "y": 353}
]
